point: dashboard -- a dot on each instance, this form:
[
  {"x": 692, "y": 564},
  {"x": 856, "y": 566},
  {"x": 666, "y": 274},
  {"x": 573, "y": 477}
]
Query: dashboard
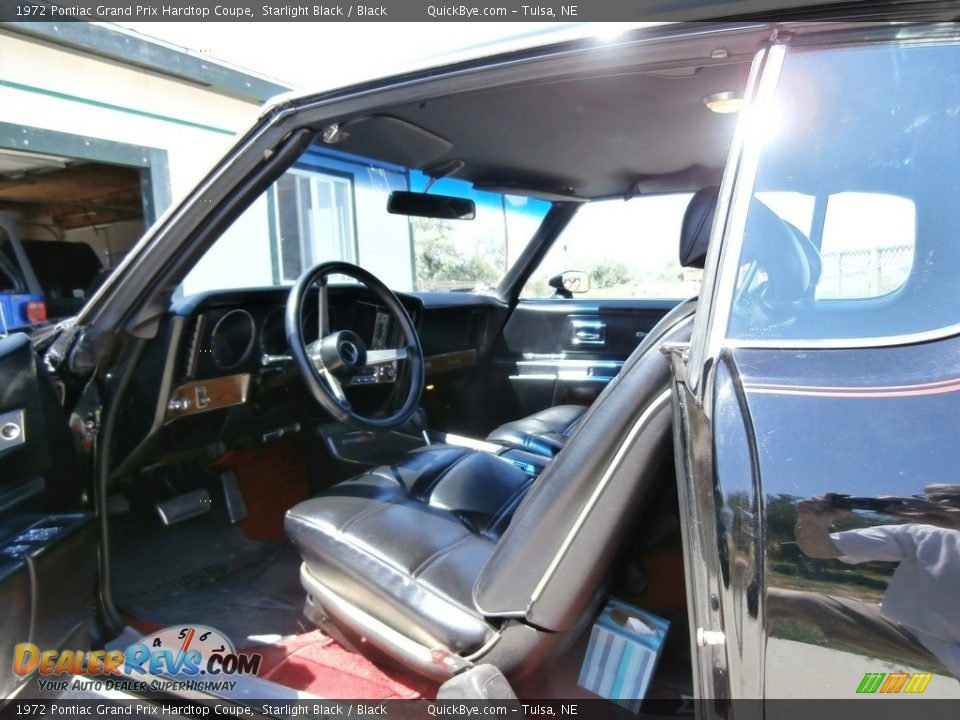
[
  {"x": 220, "y": 370},
  {"x": 232, "y": 341}
]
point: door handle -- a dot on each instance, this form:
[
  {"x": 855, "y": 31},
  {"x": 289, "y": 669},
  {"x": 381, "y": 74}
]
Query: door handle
[{"x": 587, "y": 332}]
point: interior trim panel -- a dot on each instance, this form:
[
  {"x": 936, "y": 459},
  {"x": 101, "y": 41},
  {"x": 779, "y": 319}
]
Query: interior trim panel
[
  {"x": 205, "y": 395},
  {"x": 450, "y": 361}
]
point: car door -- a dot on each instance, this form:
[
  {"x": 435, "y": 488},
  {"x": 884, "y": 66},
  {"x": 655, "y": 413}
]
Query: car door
[
  {"x": 48, "y": 548},
  {"x": 816, "y": 404},
  {"x": 606, "y": 281}
]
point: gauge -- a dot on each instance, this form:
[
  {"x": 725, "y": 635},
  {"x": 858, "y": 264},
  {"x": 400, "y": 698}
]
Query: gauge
[
  {"x": 232, "y": 338},
  {"x": 273, "y": 336}
]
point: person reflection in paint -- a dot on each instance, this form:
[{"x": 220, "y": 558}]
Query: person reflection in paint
[{"x": 922, "y": 600}]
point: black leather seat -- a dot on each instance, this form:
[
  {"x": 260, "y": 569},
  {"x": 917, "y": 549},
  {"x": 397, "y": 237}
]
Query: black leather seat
[
  {"x": 407, "y": 541},
  {"x": 546, "y": 432},
  {"x": 455, "y": 555}
]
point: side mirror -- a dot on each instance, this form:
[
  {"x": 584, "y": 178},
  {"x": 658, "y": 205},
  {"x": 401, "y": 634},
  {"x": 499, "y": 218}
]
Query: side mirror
[{"x": 569, "y": 282}]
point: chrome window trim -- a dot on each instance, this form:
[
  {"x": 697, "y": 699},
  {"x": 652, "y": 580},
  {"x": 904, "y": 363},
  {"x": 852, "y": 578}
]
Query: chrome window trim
[{"x": 732, "y": 205}]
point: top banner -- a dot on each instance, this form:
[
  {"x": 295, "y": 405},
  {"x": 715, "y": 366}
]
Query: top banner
[{"x": 405, "y": 10}]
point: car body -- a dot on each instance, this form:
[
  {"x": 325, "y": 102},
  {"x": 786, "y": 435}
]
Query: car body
[
  {"x": 803, "y": 395},
  {"x": 21, "y": 299},
  {"x": 43, "y": 279}
]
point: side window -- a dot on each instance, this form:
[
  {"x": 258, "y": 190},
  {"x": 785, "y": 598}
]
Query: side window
[
  {"x": 865, "y": 240},
  {"x": 851, "y": 230},
  {"x": 867, "y": 246},
  {"x": 620, "y": 250}
]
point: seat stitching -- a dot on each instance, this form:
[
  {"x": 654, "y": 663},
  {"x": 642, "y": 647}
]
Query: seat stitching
[
  {"x": 401, "y": 571},
  {"x": 436, "y": 481},
  {"x": 442, "y": 551},
  {"x": 572, "y": 425},
  {"x": 395, "y": 479},
  {"x": 364, "y": 515},
  {"x": 495, "y": 518}
]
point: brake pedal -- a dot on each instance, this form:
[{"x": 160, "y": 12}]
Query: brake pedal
[
  {"x": 236, "y": 507},
  {"x": 183, "y": 507}
]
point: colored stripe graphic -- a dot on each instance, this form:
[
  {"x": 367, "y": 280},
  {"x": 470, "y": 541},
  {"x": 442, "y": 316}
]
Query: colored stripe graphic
[
  {"x": 918, "y": 683},
  {"x": 879, "y": 391},
  {"x": 892, "y": 683},
  {"x": 870, "y": 683}
]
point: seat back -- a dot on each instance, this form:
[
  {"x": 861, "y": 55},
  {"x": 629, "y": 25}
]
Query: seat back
[
  {"x": 562, "y": 538},
  {"x": 550, "y": 562}
]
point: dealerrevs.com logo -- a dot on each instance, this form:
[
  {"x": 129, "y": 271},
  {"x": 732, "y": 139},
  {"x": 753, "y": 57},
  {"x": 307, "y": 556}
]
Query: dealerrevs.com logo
[{"x": 191, "y": 657}]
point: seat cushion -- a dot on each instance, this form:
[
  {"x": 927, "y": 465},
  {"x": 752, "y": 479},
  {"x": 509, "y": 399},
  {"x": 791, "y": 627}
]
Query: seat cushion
[
  {"x": 544, "y": 432},
  {"x": 405, "y": 543}
]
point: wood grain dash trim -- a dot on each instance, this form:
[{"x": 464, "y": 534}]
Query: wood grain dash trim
[
  {"x": 450, "y": 361},
  {"x": 203, "y": 396}
]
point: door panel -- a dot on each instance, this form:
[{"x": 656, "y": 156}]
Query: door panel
[
  {"x": 48, "y": 550},
  {"x": 555, "y": 352}
]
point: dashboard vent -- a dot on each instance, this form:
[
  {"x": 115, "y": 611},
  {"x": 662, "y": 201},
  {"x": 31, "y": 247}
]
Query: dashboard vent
[{"x": 188, "y": 360}]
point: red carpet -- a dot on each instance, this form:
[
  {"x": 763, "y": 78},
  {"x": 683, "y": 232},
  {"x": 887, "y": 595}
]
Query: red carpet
[
  {"x": 314, "y": 663},
  {"x": 272, "y": 480}
]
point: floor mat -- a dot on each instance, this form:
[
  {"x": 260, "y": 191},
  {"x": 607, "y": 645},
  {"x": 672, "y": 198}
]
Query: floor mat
[
  {"x": 314, "y": 663},
  {"x": 206, "y": 571}
]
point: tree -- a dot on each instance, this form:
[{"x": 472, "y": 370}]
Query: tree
[
  {"x": 439, "y": 262},
  {"x": 607, "y": 273}
]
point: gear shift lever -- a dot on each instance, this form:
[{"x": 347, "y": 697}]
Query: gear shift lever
[{"x": 419, "y": 422}]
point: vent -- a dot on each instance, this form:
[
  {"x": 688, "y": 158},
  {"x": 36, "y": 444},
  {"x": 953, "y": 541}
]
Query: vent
[{"x": 188, "y": 360}]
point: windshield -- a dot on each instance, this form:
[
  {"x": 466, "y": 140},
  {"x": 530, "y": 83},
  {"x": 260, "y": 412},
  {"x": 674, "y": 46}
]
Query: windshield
[{"x": 332, "y": 206}]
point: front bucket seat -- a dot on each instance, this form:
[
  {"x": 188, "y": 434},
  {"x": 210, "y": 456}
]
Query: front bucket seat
[{"x": 454, "y": 555}]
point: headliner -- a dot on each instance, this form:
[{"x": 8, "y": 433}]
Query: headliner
[{"x": 578, "y": 137}]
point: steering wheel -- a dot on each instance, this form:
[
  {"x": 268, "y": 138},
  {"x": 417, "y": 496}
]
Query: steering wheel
[{"x": 337, "y": 356}]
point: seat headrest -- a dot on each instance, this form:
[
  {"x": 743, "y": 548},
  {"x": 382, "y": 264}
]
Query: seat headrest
[
  {"x": 789, "y": 259},
  {"x": 810, "y": 251},
  {"x": 695, "y": 230}
]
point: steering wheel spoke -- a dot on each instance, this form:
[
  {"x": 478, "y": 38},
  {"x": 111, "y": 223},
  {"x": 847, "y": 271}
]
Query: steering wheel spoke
[
  {"x": 336, "y": 389},
  {"x": 323, "y": 314},
  {"x": 382, "y": 357}
]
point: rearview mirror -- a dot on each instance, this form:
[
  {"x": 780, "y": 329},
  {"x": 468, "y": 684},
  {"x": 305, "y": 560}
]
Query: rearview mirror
[
  {"x": 402, "y": 202},
  {"x": 569, "y": 282}
]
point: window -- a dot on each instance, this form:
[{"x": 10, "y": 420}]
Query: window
[
  {"x": 314, "y": 221},
  {"x": 851, "y": 231},
  {"x": 866, "y": 240},
  {"x": 627, "y": 250},
  {"x": 333, "y": 206},
  {"x": 471, "y": 255},
  {"x": 867, "y": 245}
]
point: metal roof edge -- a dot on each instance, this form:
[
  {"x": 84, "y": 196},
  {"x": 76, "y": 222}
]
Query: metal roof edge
[{"x": 130, "y": 48}]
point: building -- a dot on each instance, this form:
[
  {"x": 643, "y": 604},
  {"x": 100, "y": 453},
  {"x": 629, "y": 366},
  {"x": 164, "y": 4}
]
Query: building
[{"x": 101, "y": 129}]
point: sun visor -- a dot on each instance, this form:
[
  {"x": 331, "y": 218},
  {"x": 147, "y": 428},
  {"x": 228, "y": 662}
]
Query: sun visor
[
  {"x": 551, "y": 194},
  {"x": 388, "y": 139}
]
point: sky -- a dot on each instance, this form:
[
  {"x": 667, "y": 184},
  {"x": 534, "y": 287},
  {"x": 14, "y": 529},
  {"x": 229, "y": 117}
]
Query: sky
[{"x": 314, "y": 55}]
